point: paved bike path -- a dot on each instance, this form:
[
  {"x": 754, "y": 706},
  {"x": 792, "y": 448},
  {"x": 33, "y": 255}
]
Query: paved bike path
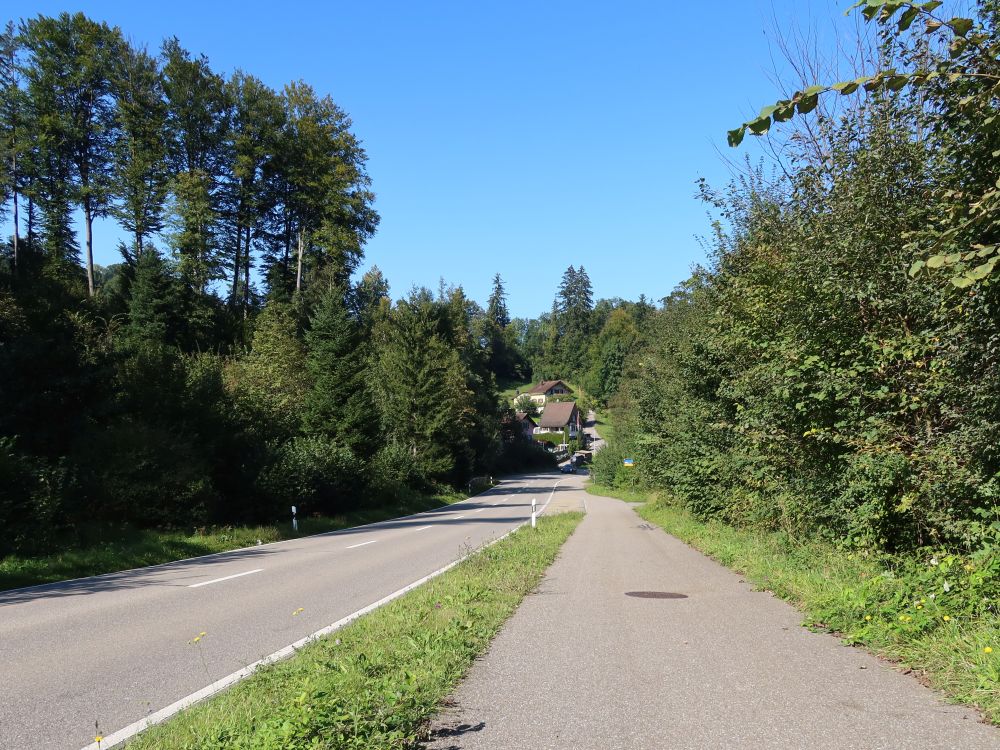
[{"x": 581, "y": 665}]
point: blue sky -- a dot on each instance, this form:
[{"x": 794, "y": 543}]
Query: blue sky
[{"x": 513, "y": 137}]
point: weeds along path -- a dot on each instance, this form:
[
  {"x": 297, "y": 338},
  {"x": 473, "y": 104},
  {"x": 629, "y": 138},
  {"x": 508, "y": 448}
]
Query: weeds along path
[{"x": 636, "y": 641}]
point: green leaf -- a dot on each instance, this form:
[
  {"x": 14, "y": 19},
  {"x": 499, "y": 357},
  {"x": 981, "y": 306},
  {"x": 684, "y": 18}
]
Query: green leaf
[
  {"x": 962, "y": 281},
  {"x": 982, "y": 271},
  {"x": 961, "y": 26},
  {"x": 784, "y": 111},
  {"x": 875, "y": 83},
  {"x": 846, "y": 87},
  {"x": 807, "y": 104},
  {"x": 915, "y": 268},
  {"x": 759, "y": 126},
  {"x": 931, "y": 6},
  {"x": 907, "y": 18},
  {"x": 936, "y": 261},
  {"x": 735, "y": 137},
  {"x": 895, "y": 83}
]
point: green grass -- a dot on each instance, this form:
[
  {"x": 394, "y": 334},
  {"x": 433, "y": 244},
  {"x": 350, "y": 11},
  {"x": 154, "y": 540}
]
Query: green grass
[
  {"x": 628, "y": 496},
  {"x": 112, "y": 548},
  {"x": 377, "y": 682},
  {"x": 555, "y": 438},
  {"x": 603, "y": 427},
  {"x": 508, "y": 388},
  {"x": 882, "y": 602}
]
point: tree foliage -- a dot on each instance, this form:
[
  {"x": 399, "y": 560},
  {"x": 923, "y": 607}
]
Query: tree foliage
[
  {"x": 231, "y": 365},
  {"x": 814, "y": 378}
]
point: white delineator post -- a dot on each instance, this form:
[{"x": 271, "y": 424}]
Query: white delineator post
[
  {"x": 295, "y": 522},
  {"x": 532, "y": 512}
]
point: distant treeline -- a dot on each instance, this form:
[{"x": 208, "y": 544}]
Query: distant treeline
[{"x": 231, "y": 365}]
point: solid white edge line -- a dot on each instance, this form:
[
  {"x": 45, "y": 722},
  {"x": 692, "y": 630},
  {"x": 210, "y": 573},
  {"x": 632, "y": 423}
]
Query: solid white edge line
[
  {"x": 225, "y": 578},
  {"x": 455, "y": 518},
  {"x": 372, "y": 541},
  {"x": 424, "y": 527},
  {"x": 122, "y": 735},
  {"x": 350, "y": 529}
]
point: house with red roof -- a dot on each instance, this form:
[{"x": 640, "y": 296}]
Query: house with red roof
[
  {"x": 547, "y": 389},
  {"x": 560, "y": 416}
]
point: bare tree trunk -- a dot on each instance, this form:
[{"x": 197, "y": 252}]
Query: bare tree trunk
[
  {"x": 234, "y": 295},
  {"x": 288, "y": 250},
  {"x": 246, "y": 277},
  {"x": 298, "y": 274},
  {"x": 31, "y": 223},
  {"x": 16, "y": 238},
  {"x": 89, "y": 221}
]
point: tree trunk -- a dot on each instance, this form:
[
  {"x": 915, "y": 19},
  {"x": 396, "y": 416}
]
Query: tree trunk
[
  {"x": 16, "y": 243},
  {"x": 246, "y": 277},
  {"x": 288, "y": 251},
  {"x": 298, "y": 274},
  {"x": 31, "y": 223},
  {"x": 89, "y": 221},
  {"x": 234, "y": 295}
]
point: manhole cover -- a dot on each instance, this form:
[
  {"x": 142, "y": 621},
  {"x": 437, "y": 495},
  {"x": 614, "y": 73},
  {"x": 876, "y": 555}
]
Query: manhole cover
[{"x": 655, "y": 595}]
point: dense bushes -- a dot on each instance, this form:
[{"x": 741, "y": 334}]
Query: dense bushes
[{"x": 807, "y": 381}]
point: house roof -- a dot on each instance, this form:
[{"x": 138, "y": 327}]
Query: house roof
[
  {"x": 557, "y": 414},
  {"x": 545, "y": 385},
  {"x": 522, "y": 416}
]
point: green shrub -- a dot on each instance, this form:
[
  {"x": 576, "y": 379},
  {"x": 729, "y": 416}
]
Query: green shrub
[
  {"x": 314, "y": 473},
  {"x": 32, "y": 495}
]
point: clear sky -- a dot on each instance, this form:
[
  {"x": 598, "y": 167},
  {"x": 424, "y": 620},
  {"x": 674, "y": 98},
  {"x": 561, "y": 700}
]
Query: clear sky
[{"x": 512, "y": 137}]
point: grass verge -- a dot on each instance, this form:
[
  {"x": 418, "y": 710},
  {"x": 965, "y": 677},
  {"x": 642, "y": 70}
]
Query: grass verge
[
  {"x": 377, "y": 682},
  {"x": 109, "y": 549},
  {"x": 602, "y": 425},
  {"x": 898, "y": 607}
]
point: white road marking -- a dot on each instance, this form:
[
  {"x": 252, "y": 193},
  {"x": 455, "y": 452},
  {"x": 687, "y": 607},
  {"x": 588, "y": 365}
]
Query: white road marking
[
  {"x": 479, "y": 511},
  {"x": 455, "y": 518},
  {"x": 424, "y": 527},
  {"x": 224, "y": 578},
  {"x": 362, "y": 544},
  {"x": 218, "y": 686}
]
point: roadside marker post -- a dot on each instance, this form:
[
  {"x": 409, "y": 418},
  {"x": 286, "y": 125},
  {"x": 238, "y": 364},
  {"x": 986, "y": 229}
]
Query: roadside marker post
[
  {"x": 532, "y": 512},
  {"x": 295, "y": 522}
]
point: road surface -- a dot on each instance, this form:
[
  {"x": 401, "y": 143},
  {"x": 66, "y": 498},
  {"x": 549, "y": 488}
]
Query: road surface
[
  {"x": 115, "y": 648},
  {"x": 583, "y": 665}
]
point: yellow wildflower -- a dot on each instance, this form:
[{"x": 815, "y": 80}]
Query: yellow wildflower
[{"x": 987, "y": 650}]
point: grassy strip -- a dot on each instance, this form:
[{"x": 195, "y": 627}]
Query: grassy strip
[
  {"x": 110, "y": 549},
  {"x": 602, "y": 425},
  {"x": 886, "y": 604},
  {"x": 375, "y": 684},
  {"x": 509, "y": 388}
]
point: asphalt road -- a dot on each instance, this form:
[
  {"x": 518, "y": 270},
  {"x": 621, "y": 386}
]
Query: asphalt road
[
  {"x": 115, "y": 648},
  {"x": 582, "y": 665}
]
